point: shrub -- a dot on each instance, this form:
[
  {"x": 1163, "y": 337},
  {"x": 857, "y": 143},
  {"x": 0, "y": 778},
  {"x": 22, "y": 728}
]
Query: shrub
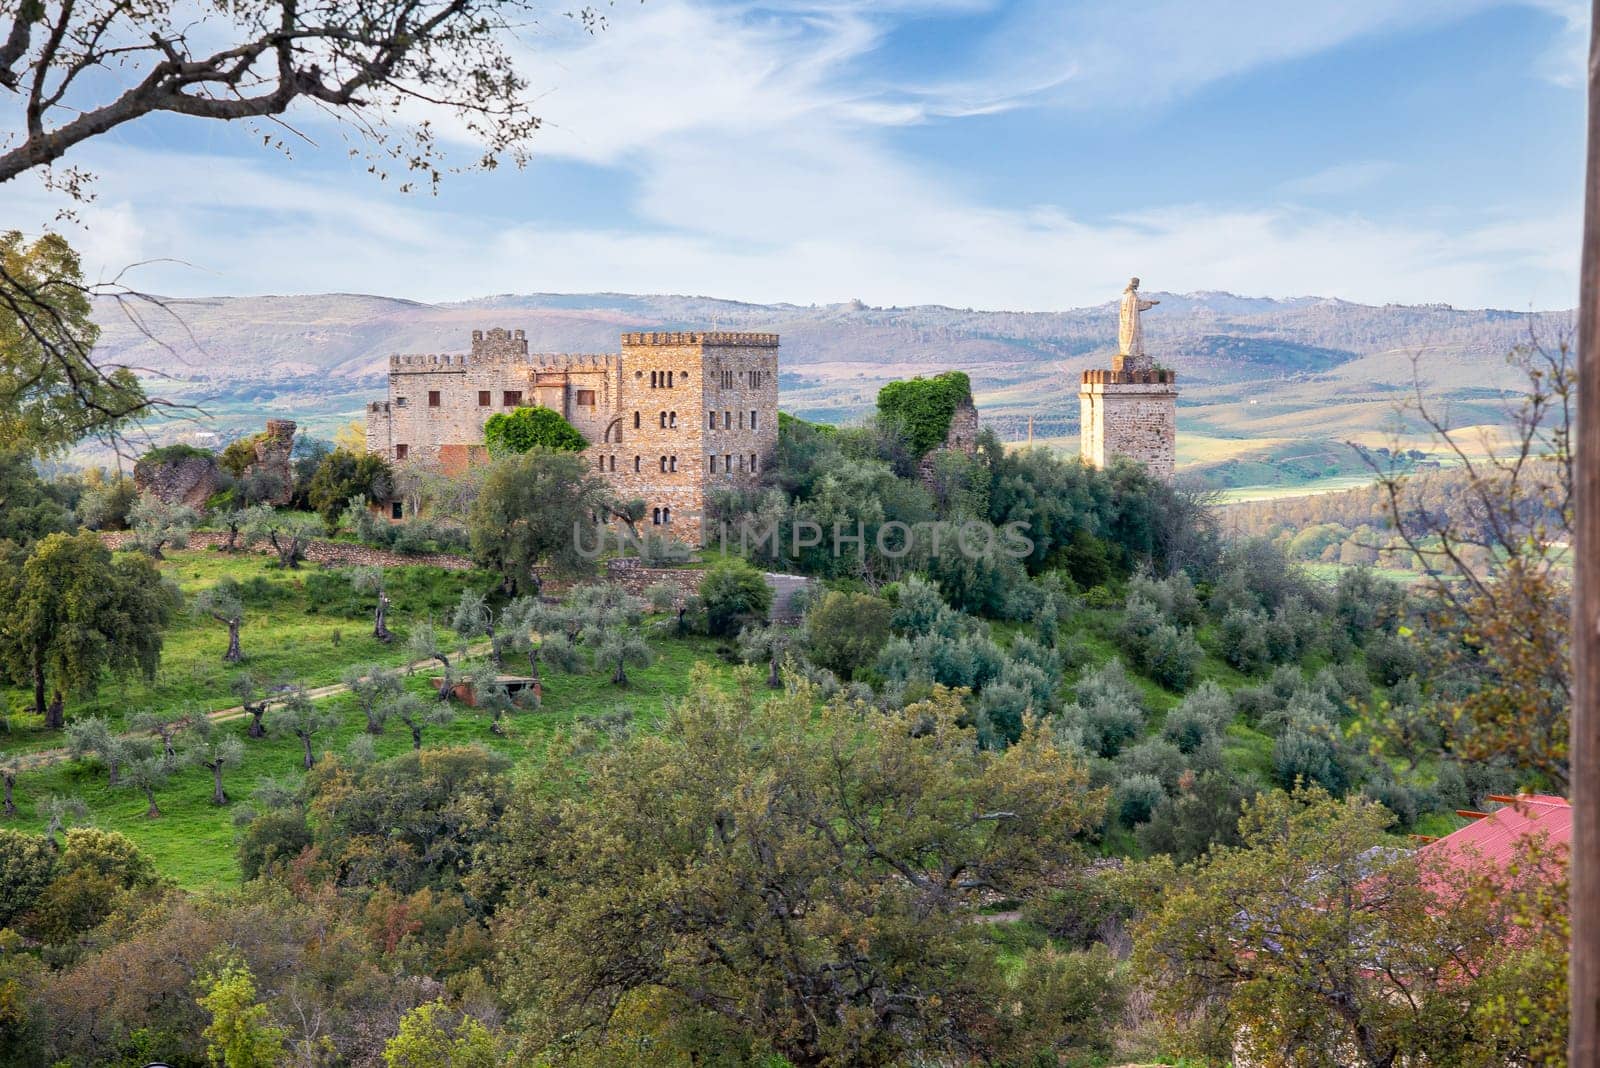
[
  {"x": 533, "y": 427},
  {"x": 342, "y": 477},
  {"x": 1242, "y": 637},
  {"x": 1300, "y": 757},
  {"x": 846, "y": 631},
  {"x": 1201, "y": 716},
  {"x": 27, "y": 864},
  {"x": 176, "y": 451},
  {"x": 1136, "y": 797},
  {"x": 734, "y": 593}
]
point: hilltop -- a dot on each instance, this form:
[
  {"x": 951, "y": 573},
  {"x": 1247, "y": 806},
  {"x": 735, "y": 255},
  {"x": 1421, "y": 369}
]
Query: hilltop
[{"x": 1267, "y": 382}]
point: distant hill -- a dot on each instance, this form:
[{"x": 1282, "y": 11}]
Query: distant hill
[{"x": 1296, "y": 370}]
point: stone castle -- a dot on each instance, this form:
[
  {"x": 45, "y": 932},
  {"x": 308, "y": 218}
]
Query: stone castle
[
  {"x": 670, "y": 419},
  {"x": 1130, "y": 410}
]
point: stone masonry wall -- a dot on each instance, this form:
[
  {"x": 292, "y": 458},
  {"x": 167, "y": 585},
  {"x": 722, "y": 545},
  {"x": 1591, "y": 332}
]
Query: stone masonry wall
[{"x": 1136, "y": 419}]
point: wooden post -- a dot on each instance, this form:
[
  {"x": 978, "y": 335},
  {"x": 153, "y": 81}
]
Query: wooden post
[{"x": 1584, "y": 968}]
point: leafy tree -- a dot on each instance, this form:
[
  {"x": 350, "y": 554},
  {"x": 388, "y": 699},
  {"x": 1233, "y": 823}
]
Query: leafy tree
[
  {"x": 923, "y": 407},
  {"x": 31, "y": 511},
  {"x": 734, "y": 594},
  {"x": 374, "y": 689},
  {"x": 209, "y": 748},
  {"x": 475, "y": 619},
  {"x": 845, "y": 631},
  {"x": 1319, "y": 943},
  {"x": 233, "y": 521},
  {"x": 432, "y": 1036},
  {"x": 343, "y": 476},
  {"x": 794, "y": 881},
  {"x": 147, "y": 770},
  {"x": 163, "y": 725},
  {"x": 307, "y": 719},
  {"x": 418, "y": 714},
  {"x": 289, "y": 533},
  {"x": 51, "y": 392},
  {"x": 27, "y": 865},
  {"x": 70, "y": 612},
  {"x": 92, "y": 735},
  {"x": 240, "y": 1034},
  {"x": 535, "y": 427},
  {"x": 11, "y": 766},
  {"x": 425, "y": 644},
  {"x": 770, "y": 643},
  {"x": 254, "y": 699},
  {"x": 224, "y": 603},
  {"x": 608, "y": 625},
  {"x": 157, "y": 525},
  {"x": 535, "y": 509},
  {"x": 371, "y": 580}
]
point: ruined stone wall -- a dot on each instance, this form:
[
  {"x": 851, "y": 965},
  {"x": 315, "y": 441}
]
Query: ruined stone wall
[
  {"x": 1132, "y": 414},
  {"x": 962, "y": 436}
]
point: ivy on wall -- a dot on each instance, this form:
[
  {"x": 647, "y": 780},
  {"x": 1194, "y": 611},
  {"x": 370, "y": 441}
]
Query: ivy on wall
[{"x": 923, "y": 407}]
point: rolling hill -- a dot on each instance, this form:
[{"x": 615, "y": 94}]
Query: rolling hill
[{"x": 1263, "y": 379}]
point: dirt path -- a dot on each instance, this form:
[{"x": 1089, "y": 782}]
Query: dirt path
[{"x": 41, "y": 758}]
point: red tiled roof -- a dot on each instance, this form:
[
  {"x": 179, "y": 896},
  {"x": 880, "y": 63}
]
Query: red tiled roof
[{"x": 1494, "y": 837}]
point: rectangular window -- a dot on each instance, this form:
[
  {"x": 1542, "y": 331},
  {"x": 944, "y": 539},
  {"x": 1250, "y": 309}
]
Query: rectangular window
[
  {"x": 397, "y": 510},
  {"x": 485, "y": 398},
  {"x": 586, "y": 397},
  {"x": 713, "y": 463},
  {"x": 752, "y": 418},
  {"x": 712, "y": 421},
  {"x": 399, "y": 402},
  {"x": 511, "y": 398},
  {"x": 433, "y": 398},
  {"x": 399, "y": 452},
  {"x": 741, "y": 420},
  {"x": 727, "y": 420},
  {"x": 727, "y": 463},
  {"x": 752, "y": 461}
]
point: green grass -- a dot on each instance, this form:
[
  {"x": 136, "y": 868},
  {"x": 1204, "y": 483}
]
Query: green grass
[
  {"x": 298, "y": 627},
  {"x": 192, "y": 841}
]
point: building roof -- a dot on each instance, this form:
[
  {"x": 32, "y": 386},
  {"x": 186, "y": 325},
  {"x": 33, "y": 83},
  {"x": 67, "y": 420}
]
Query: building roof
[{"x": 1494, "y": 836}]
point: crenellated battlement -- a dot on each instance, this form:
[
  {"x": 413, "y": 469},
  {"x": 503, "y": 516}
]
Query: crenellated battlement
[
  {"x": 454, "y": 360},
  {"x": 724, "y": 338},
  {"x": 1156, "y": 377}
]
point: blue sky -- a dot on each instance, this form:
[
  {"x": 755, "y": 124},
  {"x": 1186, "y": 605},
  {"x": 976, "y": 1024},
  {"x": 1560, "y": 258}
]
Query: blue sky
[{"x": 1028, "y": 154}]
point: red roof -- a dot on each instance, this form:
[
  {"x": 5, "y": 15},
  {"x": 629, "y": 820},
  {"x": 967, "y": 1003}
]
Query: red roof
[{"x": 1494, "y": 837}]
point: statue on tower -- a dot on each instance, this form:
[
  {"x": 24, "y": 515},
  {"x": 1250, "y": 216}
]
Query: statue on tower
[{"x": 1130, "y": 334}]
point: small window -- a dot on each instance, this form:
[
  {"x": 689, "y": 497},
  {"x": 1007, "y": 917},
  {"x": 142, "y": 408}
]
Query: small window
[
  {"x": 727, "y": 462},
  {"x": 399, "y": 402},
  {"x": 663, "y": 465},
  {"x": 666, "y": 517},
  {"x": 713, "y": 463},
  {"x": 741, "y": 420},
  {"x": 655, "y": 516},
  {"x": 653, "y": 379},
  {"x": 400, "y": 452},
  {"x": 397, "y": 510},
  {"x": 636, "y": 460},
  {"x": 711, "y": 422},
  {"x": 512, "y": 398},
  {"x": 586, "y": 397},
  {"x": 662, "y": 418},
  {"x": 602, "y": 461},
  {"x": 752, "y": 461},
  {"x": 669, "y": 379},
  {"x": 433, "y": 398},
  {"x": 672, "y": 419},
  {"x": 613, "y": 465},
  {"x": 485, "y": 398},
  {"x": 636, "y": 420},
  {"x": 674, "y": 464},
  {"x": 727, "y": 420},
  {"x": 752, "y": 418}
]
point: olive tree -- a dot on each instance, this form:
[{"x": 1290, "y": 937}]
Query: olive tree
[
  {"x": 224, "y": 603},
  {"x": 208, "y": 747}
]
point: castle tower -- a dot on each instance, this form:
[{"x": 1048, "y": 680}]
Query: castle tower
[
  {"x": 1130, "y": 410},
  {"x": 699, "y": 413}
]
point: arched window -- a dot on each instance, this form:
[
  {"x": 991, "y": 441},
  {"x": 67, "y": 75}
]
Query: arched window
[
  {"x": 672, "y": 418},
  {"x": 655, "y": 516},
  {"x": 663, "y": 465},
  {"x": 602, "y": 460},
  {"x": 636, "y": 464},
  {"x": 636, "y": 420},
  {"x": 653, "y": 379},
  {"x": 669, "y": 379},
  {"x": 674, "y": 465},
  {"x": 666, "y": 517},
  {"x": 613, "y": 464}
]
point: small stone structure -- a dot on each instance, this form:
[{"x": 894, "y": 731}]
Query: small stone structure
[
  {"x": 189, "y": 480},
  {"x": 273, "y": 450},
  {"x": 670, "y": 419},
  {"x": 1130, "y": 410},
  {"x": 962, "y": 436}
]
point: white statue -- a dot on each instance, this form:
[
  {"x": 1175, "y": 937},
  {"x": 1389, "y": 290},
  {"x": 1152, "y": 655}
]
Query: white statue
[{"x": 1130, "y": 335}]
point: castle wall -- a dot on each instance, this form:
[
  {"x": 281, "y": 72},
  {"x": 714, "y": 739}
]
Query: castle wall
[
  {"x": 673, "y": 417},
  {"x": 1132, "y": 414}
]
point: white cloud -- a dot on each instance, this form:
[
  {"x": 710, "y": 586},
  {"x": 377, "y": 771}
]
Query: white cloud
[{"x": 1341, "y": 179}]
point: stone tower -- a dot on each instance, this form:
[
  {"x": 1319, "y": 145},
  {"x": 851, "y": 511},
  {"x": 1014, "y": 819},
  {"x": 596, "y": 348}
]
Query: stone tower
[{"x": 1130, "y": 410}]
